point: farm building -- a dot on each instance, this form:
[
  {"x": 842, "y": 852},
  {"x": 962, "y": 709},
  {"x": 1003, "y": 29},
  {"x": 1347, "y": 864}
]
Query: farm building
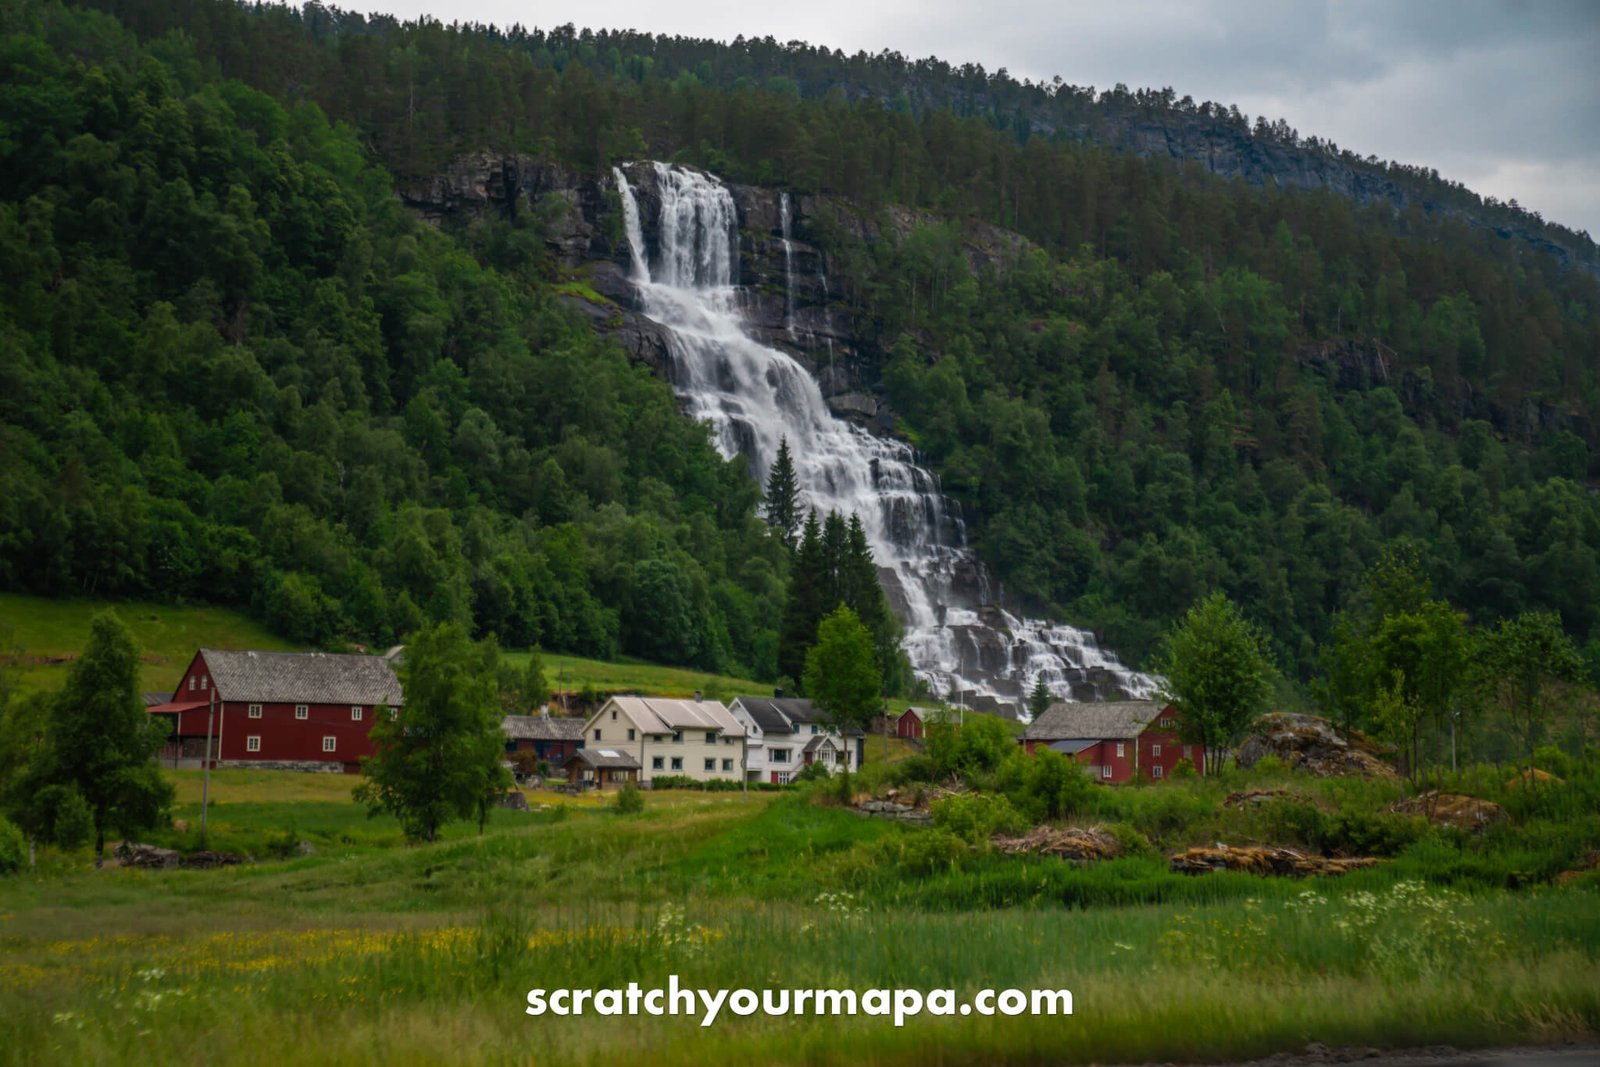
[
  {"x": 288, "y": 710},
  {"x": 697, "y": 739},
  {"x": 785, "y": 734},
  {"x": 1118, "y": 741},
  {"x": 548, "y": 737},
  {"x": 910, "y": 724}
]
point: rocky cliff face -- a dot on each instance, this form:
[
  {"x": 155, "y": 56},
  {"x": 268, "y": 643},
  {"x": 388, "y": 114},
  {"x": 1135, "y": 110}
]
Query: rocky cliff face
[{"x": 788, "y": 301}]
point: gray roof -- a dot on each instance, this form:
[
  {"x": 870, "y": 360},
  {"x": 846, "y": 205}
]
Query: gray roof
[
  {"x": 784, "y": 715},
  {"x": 302, "y": 677},
  {"x": 541, "y": 728},
  {"x": 1121, "y": 718},
  {"x": 152, "y": 699},
  {"x": 1074, "y": 745},
  {"x": 657, "y": 715},
  {"x": 604, "y": 759}
]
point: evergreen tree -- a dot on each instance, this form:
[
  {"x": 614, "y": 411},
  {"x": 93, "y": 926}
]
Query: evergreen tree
[
  {"x": 841, "y": 673},
  {"x": 1040, "y": 699},
  {"x": 441, "y": 756},
  {"x": 783, "y": 496},
  {"x": 806, "y": 603}
]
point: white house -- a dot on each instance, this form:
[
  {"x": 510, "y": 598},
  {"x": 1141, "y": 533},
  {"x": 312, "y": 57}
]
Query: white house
[
  {"x": 696, "y": 739},
  {"x": 786, "y": 734}
]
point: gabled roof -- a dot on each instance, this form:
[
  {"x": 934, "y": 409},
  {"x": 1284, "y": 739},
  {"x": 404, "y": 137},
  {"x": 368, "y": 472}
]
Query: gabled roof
[
  {"x": 1122, "y": 718},
  {"x": 302, "y": 677},
  {"x": 1071, "y": 746},
  {"x": 152, "y": 699},
  {"x": 785, "y": 715},
  {"x": 541, "y": 728},
  {"x": 603, "y": 759},
  {"x": 656, "y": 715}
]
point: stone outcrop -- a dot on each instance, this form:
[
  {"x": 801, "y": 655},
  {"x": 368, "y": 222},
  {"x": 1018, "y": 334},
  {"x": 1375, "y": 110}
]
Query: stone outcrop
[
  {"x": 1075, "y": 844},
  {"x": 153, "y": 857},
  {"x": 889, "y": 809},
  {"x": 1452, "y": 809},
  {"x": 1313, "y": 744}
]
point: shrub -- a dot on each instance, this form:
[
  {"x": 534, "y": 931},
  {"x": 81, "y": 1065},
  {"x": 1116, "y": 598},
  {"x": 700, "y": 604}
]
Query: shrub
[
  {"x": 74, "y": 822},
  {"x": 630, "y": 799},
  {"x": 1184, "y": 768},
  {"x": 13, "y": 847},
  {"x": 1046, "y": 785},
  {"x": 918, "y": 768},
  {"x": 1361, "y": 833},
  {"x": 932, "y": 852},
  {"x": 811, "y": 772},
  {"x": 979, "y": 746},
  {"x": 976, "y": 817}
]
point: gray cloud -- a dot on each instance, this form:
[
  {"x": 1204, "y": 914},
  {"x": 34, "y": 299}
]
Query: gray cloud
[{"x": 1503, "y": 95}]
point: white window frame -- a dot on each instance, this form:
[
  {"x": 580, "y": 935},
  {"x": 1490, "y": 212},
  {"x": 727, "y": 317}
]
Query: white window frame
[
  {"x": 252, "y": 743},
  {"x": 1186, "y": 749},
  {"x": 710, "y": 765},
  {"x": 302, "y": 711},
  {"x": 255, "y": 711},
  {"x": 1119, "y": 748},
  {"x": 677, "y": 763},
  {"x": 204, "y": 681},
  {"x": 330, "y": 744},
  {"x": 1156, "y": 771},
  {"x": 357, "y": 712},
  {"x": 778, "y": 755},
  {"x": 1105, "y": 772},
  {"x": 711, "y": 737},
  {"x": 192, "y": 683},
  {"x": 727, "y": 764},
  {"x": 1155, "y": 750},
  {"x": 394, "y": 713},
  {"x": 657, "y": 763}
]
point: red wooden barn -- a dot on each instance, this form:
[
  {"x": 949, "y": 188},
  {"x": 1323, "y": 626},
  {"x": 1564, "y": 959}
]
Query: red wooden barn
[
  {"x": 1118, "y": 741},
  {"x": 289, "y": 710},
  {"x": 909, "y": 724}
]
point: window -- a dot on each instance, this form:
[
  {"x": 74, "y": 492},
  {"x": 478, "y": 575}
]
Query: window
[
  {"x": 780, "y": 755},
  {"x": 252, "y": 743},
  {"x": 1155, "y": 750},
  {"x": 630, "y": 735},
  {"x": 1186, "y": 751},
  {"x": 783, "y": 777},
  {"x": 394, "y": 713},
  {"x": 597, "y": 734},
  {"x": 1119, "y": 748},
  {"x": 203, "y": 681},
  {"x": 727, "y": 764},
  {"x": 813, "y": 728},
  {"x": 1156, "y": 770},
  {"x": 711, "y": 737},
  {"x": 677, "y": 763},
  {"x": 677, "y": 737},
  {"x": 301, "y": 711},
  {"x": 329, "y": 744},
  {"x": 191, "y": 685},
  {"x": 656, "y": 763},
  {"x": 613, "y": 714},
  {"x": 255, "y": 711},
  {"x": 356, "y": 712},
  {"x": 711, "y": 765},
  {"x": 1105, "y": 772}
]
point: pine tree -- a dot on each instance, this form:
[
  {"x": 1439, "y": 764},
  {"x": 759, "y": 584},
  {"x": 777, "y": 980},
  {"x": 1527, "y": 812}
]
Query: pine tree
[
  {"x": 1041, "y": 698},
  {"x": 806, "y": 603},
  {"x": 783, "y": 496}
]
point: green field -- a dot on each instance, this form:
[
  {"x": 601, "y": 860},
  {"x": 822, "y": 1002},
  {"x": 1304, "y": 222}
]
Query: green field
[{"x": 373, "y": 952}]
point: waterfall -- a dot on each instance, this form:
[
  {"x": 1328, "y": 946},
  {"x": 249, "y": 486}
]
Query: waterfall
[
  {"x": 788, "y": 266},
  {"x": 753, "y": 396}
]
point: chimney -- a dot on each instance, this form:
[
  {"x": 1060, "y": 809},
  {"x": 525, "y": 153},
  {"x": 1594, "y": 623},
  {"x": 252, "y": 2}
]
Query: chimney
[
  {"x": 777, "y": 694},
  {"x": 697, "y": 696}
]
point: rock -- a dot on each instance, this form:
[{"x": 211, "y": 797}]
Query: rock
[
  {"x": 513, "y": 800},
  {"x": 1585, "y": 865},
  {"x": 205, "y": 860},
  {"x": 1311, "y": 743},
  {"x": 852, "y": 405},
  {"x": 181, "y": 825},
  {"x": 305, "y": 848},
  {"x": 1079, "y": 845},
  {"x": 1251, "y": 798},
  {"x": 1452, "y": 809},
  {"x": 1263, "y": 860},
  {"x": 1533, "y": 776}
]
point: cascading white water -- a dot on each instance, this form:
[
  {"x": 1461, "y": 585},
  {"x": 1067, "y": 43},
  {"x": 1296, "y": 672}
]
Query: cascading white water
[
  {"x": 788, "y": 266},
  {"x": 754, "y": 396}
]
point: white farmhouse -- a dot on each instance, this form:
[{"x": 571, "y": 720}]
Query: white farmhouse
[
  {"x": 785, "y": 734},
  {"x": 696, "y": 739}
]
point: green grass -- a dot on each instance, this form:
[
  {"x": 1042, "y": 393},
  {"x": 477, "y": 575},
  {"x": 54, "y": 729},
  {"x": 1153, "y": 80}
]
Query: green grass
[
  {"x": 573, "y": 673},
  {"x": 373, "y": 952},
  {"x": 49, "y": 633}
]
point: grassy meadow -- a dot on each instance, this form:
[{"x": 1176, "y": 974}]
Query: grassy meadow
[{"x": 369, "y": 951}]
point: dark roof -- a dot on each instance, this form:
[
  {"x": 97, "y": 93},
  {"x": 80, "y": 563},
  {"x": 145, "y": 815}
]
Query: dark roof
[
  {"x": 783, "y": 715},
  {"x": 1121, "y": 718},
  {"x": 542, "y": 728},
  {"x": 604, "y": 759},
  {"x": 302, "y": 677},
  {"x": 1073, "y": 745},
  {"x": 152, "y": 699}
]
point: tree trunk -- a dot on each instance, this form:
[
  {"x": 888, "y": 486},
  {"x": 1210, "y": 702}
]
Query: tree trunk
[{"x": 99, "y": 847}]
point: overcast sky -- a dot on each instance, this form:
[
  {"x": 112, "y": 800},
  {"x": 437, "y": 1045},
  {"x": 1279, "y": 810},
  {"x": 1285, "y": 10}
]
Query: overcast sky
[{"x": 1502, "y": 95}]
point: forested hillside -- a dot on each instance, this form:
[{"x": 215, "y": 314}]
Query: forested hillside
[{"x": 245, "y": 374}]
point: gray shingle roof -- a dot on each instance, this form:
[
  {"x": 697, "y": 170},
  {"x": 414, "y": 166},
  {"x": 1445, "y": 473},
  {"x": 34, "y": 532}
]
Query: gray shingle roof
[
  {"x": 784, "y": 715},
  {"x": 152, "y": 699},
  {"x": 302, "y": 677},
  {"x": 604, "y": 759},
  {"x": 541, "y": 728},
  {"x": 1122, "y": 718},
  {"x": 657, "y": 715}
]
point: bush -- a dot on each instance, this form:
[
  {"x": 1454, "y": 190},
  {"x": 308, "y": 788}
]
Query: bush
[
  {"x": 630, "y": 799},
  {"x": 1046, "y": 785},
  {"x": 812, "y": 772},
  {"x": 977, "y": 747},
  {"x": 976, "y": 817},
  {"x": 74, "y": 822},
  {"x": 13, "y": 847},
  {"x": 1184, "y": 768},
  {"x": 1361, "y": 833},
  {"x": 932, "y": 852}
]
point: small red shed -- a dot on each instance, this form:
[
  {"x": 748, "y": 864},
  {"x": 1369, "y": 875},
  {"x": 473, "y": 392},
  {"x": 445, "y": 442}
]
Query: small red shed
[
  {"x": 288, "y": 710},
  {"x": 1117, "y": 740},
  {"x": 909, "y": 725}
]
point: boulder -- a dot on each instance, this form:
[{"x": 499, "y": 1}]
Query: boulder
[
  {"x": 1452, "y": 809},
  {"x": 1263, "y": 860},
  {"x": 133, "y": 854},
  {"x": 513, "y": 800},
  {"x": 1252, "y": 798},
  {"x": 1313, "y": 744},
  {"x": 205, "y": 860}
]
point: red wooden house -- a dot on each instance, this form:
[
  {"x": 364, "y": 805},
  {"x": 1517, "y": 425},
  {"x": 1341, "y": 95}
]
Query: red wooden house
[
  {"x": 909, "y": 725},
  {"x": 548, "y": 737},
  {"x": 289, "y": 710},
  {"x": 1118, "y": 741}
]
